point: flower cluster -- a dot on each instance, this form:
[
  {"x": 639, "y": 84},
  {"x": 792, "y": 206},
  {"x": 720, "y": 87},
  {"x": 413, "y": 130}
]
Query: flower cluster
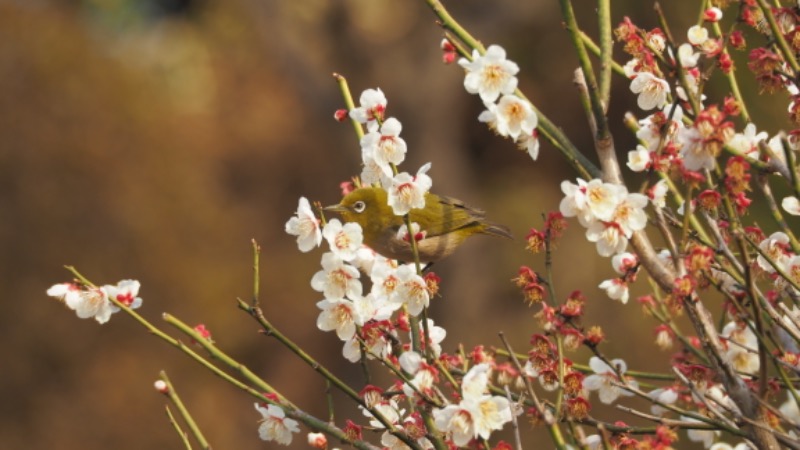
[
  {"x": 373, "y": 317},
  {"x": 493, "y": 77},
  {"x": 97, "y": 302},
  {"x": 609, "y": 212}
]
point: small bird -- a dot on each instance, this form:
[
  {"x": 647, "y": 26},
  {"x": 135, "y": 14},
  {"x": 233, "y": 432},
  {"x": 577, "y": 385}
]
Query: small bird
[{"x": 445, "y": 222}]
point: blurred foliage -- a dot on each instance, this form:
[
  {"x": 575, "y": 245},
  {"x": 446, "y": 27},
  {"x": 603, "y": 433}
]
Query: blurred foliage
[{"x": 154, "y": 139}]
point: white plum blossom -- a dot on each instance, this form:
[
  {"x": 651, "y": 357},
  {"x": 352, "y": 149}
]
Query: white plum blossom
[
  {"x": 629, "y": 213},
  {"x": 388, "y": 409},
  {"x": 305, "y": 226},
  {"x": 687, "y": 56},
  {"x": 490, "y": 75},
  {"x": 706, "y": 437},
  {"x": 696, "y": 156},
  {"x": 384, "y": 277},
  {"x": 372, "y": 105},
  {"x": 275, "y": 426},
  {"x": 630, "y": 68},
  {"x": 372, "y": 173},
  {"x": 666, "y": 396},
  {"x": 791, "y": 205},
  {"x": 436, "y": 335},
  {"x": 747, "y": 141},
  {"x": 89, "y": 302},
  {"x": 511, "y": 117},
  {"x": 697, "y": 35},
  {"x": 742, "y": 351},
  {"x": 411, "y": 290},
  {"x": 658, "y": 194},
  {"x": 604, "y": 380},
  {"x": 652, "y": 90},
  {"x": 590, "y": 201},
  {"x": 385, "y": 146},
  {"x": 608, "y": 236},
  {"x": 477, "y": 414},
  {"x": 776, "y": 248},
  {"x": 375, "y": 344},
  {"x": 125, "y": 292},
  {"x": 530, "y": 144},
  {"x": 616, "y": 289},
  {"x": 651, "y": 131},
  {"x": 407, "y": 192},
  {"x": 639, "y": 160},
  {"x": 344, "y": 240},
  {"x": 623, "y": 262},
  {"x": 726, "y": 446},
  {"x": 336, "y": 279},
  {"x": 340, "y": 315},
  {"x": 790, "y": 410}
]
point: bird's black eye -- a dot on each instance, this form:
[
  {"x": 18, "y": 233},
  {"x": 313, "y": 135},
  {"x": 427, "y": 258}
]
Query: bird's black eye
[{"x": 359, "y": 206}]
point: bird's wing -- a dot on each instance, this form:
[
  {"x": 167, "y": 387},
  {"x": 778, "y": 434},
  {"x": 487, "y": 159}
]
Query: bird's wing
[{"x": 444, "y": 214}]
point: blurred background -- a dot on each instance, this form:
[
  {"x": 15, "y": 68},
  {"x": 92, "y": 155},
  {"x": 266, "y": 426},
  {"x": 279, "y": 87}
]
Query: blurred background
[{"x": 153, "y": 139}]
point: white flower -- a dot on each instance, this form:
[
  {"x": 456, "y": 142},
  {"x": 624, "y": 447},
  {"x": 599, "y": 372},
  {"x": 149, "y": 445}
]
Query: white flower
[
  {"x": 530, "y": 144},
  {"x": 490, "y": 75},
  {"x": 608, "y": 236},
  {"x": 791, "y": 205},
  {"x": 388, "y": 409},
  {"x": 384, "y": 278},
  {"x": 658, "y": 194},
  {"x": 489, "y": 413},
  {"x": 456, "y": 421},
  {"x": 336, "y": 279},
  {"x": 687, "y": 56},
  {"x": 666, "y": 396},
  {"x": 345, "y": 240},
  {"x": 511, "y": 116},
  {"x": 275, "y": 426},
  {"x": 651, "y": 89},
  {"x": 305, "y": 226},
  {"x": 776, "y": 248},
  {"x": 339, "y": 315},
  {"x": 605, "y": 379},
  {"x": 125, "y": 292},
  {"x": 747, "y": 142},
  {"x": 604, "y": 199},
  {"x": 790, "y": 410},
  {"x": 639, "y": 160},
  {"x": 385, "y": 147},
  {"x": 697, "y": 35},
  {"x": 616, "y": 289},
  {"x": 407, "y": 192},
  {"x": 696, "y": 156},
  {"x": 629, "y": 213},
  {"x": 89, "y": 302},
  {"x": 436, "y": 335},
  {"x": 411, "y": 290},
  {"x": 624, "y": 262},
  {"x": 742, "y": 350},
  {"x": 651, "y": 131},
  {"x": 574, "y": 202},
  {"x": 478, "y": 414},
  {"x": 372, "y": 105},
  {"x": 706, "y": 437},
  {"x": 725, "y": 446},
  {"x": 372, "y": 173}
]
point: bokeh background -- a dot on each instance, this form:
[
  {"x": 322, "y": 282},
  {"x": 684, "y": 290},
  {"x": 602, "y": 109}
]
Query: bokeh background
[{"x": 153, "y": 139}]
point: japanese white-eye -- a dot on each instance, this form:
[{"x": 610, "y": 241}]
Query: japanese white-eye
[{"x": 445, "y": 223}]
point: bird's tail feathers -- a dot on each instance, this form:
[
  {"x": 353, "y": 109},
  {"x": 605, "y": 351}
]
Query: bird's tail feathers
[{"x": 498, "y": 230}]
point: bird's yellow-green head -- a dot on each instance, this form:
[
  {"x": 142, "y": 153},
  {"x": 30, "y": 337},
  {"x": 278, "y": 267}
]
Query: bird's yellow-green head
[{"x": 444, "y": 222}]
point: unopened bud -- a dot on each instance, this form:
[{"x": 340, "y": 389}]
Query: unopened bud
[{"x": 161, "y": 386}]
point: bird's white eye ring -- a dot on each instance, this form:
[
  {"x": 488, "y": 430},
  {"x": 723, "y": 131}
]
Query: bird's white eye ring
[{"x": 359, "y": 206}]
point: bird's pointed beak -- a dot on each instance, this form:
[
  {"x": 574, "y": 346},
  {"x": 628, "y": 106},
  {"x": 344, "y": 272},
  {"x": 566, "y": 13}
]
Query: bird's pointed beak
[{"x": 335, "y": 208}]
